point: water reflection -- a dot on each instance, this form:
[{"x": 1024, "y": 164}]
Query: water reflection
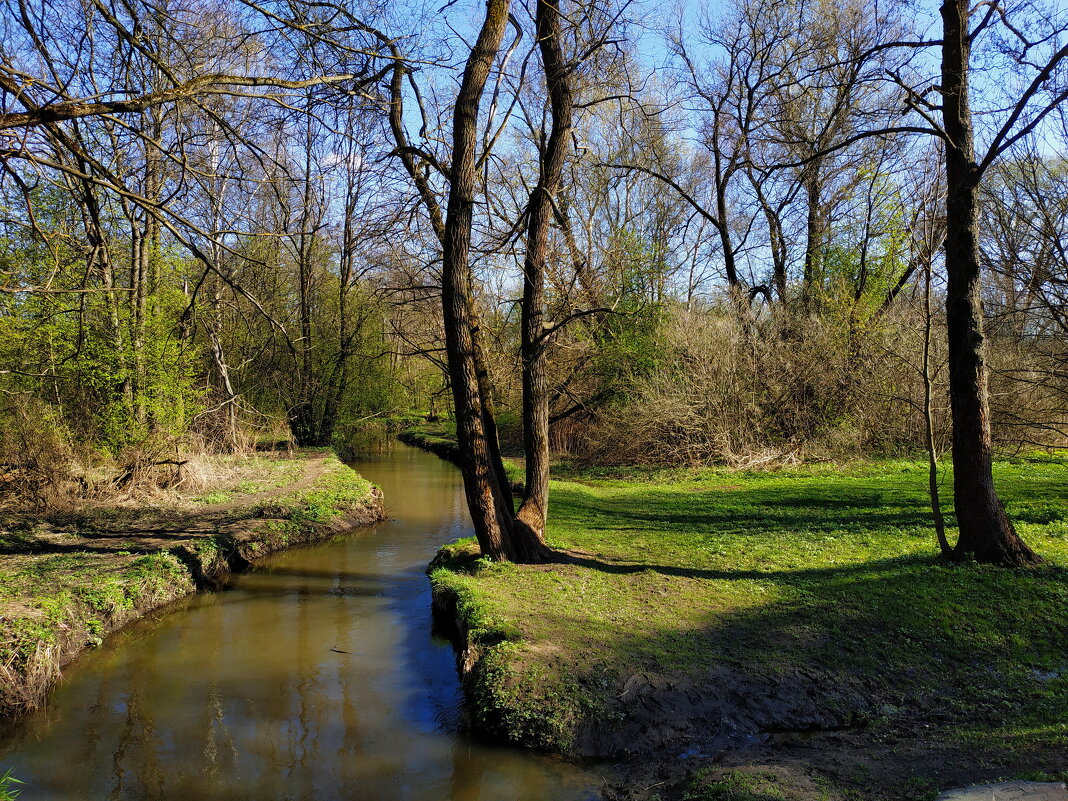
[{"x": 316, "y": 677}]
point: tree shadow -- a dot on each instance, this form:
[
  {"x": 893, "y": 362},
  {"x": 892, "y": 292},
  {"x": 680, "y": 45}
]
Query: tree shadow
[
  {"x": 892, "y": 644},
  {"x": 911, "y": 646}
]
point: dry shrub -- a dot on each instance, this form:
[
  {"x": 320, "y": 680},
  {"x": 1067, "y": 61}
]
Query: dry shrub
[
  {"x": 772, "y": 392},
  {"x": 24, "y": 679},
  {"x": 154, "y": 465},
  {"x": 567, "y": 436},
  {"x": 236, "y": 429},
  {"x": 39, "y": 465},
  {"x": 43, "y": 469},
  {"x": 166, "y": 467},
  {"x": 1028, "y": 388}
]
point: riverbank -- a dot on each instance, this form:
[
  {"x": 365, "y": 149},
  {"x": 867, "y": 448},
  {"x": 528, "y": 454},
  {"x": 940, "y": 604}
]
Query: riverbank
[
  {"x": 788, "y": 634},
  {"x": 68, "y": 581},
  {"x": 436, "y": 438}
]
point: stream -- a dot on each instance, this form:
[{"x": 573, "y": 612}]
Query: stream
[{"x": 316, "y": 677}]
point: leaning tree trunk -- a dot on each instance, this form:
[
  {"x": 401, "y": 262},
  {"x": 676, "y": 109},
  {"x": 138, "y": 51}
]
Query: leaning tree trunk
[
  {"x": 985, "y": 531},
  {"x": 437, "y": 222},
  {"x": 535, "y": 505},
  {"x": 494, "y": 522}
]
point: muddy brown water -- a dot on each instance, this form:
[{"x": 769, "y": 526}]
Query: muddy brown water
[{"x": 315, "y": 677}]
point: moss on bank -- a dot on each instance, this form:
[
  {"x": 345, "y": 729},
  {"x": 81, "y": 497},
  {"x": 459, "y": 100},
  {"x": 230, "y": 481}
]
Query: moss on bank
[
  {"x": 437, "y": 438},
  {"x": 800, "y": 614},
  {"x": 66, "y": 584}
]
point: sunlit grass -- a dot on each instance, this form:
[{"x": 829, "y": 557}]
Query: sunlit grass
[{"x": 822, "y": 568}]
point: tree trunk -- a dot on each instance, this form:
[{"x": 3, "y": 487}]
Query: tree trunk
[
  {"x": 813, "y": 275},
  {"x": 535, "y": 506},
  {"x": 985, "y": 531},
  {"x": 489, "y": 412},
  {"x": 494, "y": 522}
]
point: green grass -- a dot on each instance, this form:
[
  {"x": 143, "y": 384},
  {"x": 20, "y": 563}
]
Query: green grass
[
  {"x": 337, "y": 491},
  {"x": 81, "y": 592},
  {"x": 439, "y": 438},
  {"x": 826, "y": 569},
  {"x": 8, "y": 789}
]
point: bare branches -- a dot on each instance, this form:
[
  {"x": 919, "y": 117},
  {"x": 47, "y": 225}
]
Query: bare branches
[{"x": 42, "y": 114}]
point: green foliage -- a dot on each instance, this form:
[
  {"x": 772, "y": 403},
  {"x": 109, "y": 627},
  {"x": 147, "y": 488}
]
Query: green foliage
[
  {"x": 111, "y": 372},
  {"x": 324, "y": 383},
  {"x": 131, "y": 357},
  {"x": 867, "y": 257},
  {"x": 8, "y": 782},
  {"x": 624, "y": 345}
]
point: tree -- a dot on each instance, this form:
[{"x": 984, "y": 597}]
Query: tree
[
  {"x": 534, "y": 508},
  {"x": 502, "y": 532},
  {"x": 985, "y": 530}
]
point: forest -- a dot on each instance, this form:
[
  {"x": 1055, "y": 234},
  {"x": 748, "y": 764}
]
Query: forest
[{"x": 579, "y": 242}]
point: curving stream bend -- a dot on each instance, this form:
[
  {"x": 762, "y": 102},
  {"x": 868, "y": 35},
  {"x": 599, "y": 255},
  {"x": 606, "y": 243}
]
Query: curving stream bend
[{"x": 315, "y": 677}]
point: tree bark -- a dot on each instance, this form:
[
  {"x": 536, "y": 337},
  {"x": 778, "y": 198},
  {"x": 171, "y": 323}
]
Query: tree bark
[
  {"x": 535, "y": 506},
  {"x": 986, "y": 533},
  {"x": 494, "y": 521}
]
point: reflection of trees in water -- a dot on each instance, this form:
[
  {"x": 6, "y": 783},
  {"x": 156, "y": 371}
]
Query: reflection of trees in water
[
  {"x": 216, "y": 731},
  {"x": 465, "y": 784},
  {"x": 135, "y": 761},
  {"x": 350, "y": 744},
  {"x": 96, "y": 714},
  {"x": 304, "y": 680}
]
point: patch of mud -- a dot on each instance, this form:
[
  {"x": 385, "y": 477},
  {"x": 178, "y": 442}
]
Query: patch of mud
[
  {"x": 723, "y": 710},
  {"x": 1008, "y": 791}
]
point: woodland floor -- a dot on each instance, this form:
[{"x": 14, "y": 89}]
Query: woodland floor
[
  {"x": 69, "y": 578},
  {"x": 776, "y": 635}
]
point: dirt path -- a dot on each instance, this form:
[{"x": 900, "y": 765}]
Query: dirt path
[{"x": 314, "y": 463}]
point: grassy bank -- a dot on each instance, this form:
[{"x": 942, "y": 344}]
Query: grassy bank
[
  {"x": 68, "y": 580},
  {"x": 795, "y": 619},
  {"x": 437, "y": 438}
]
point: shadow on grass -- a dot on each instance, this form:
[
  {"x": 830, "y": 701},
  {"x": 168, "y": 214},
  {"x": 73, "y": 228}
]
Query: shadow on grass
[
  {"x": 94, "y": 536},
  {"x": 835, "y": 503},
  {"x": 799, "y": 576},
  {"x": 862, "y": 624},
  {"x": 930, "y": 656},
  {"x": 127, "y": 542}
]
